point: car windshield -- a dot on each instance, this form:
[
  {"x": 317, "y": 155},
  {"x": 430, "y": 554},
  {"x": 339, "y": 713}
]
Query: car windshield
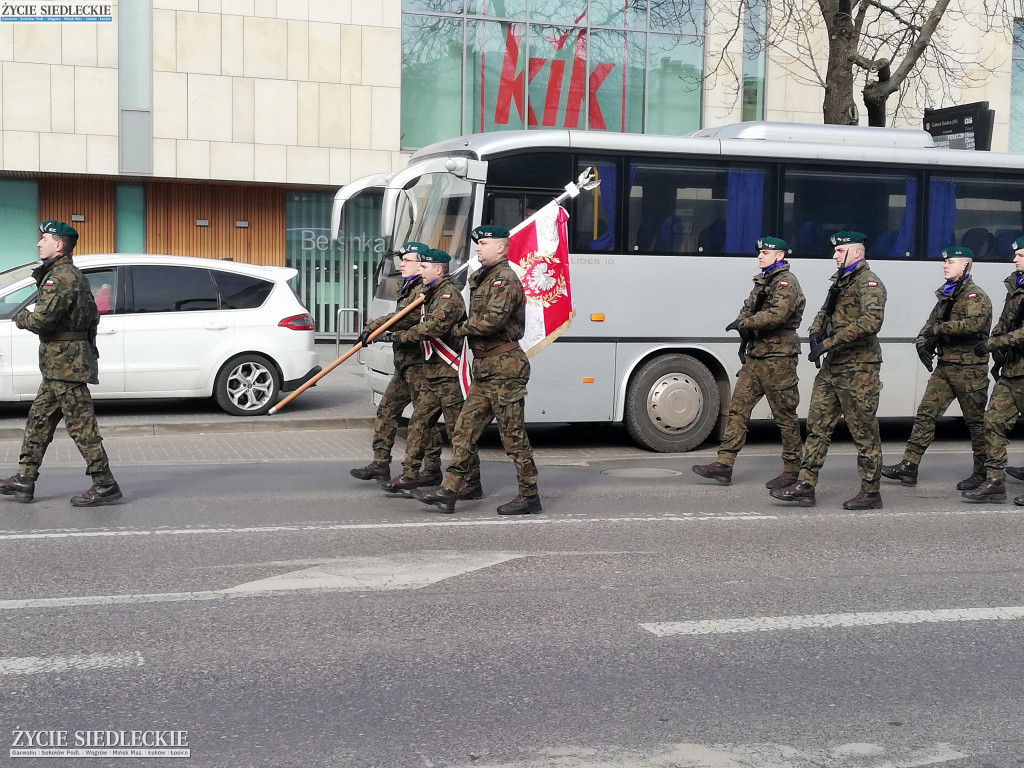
[{"x": 15, "y": 275}]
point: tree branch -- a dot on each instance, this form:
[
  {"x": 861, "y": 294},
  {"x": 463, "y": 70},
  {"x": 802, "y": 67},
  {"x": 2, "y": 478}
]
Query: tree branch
[{"x": 892, "y": 12}]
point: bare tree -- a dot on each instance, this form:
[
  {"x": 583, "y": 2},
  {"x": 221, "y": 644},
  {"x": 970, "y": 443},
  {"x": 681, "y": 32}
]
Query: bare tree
[{"x": 914, "y": 49}]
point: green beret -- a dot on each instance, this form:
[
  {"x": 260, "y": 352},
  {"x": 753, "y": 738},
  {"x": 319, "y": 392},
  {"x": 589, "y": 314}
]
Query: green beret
[
  {"x": 434, "y": 256},
  {"x": 846, "y": 238},
  {"x": 58, "y": 228},
  {"x": 1018, "y": 244},
  {"x": 485, "y": 231},
  {"x": 957, "y": 252},
  {"x": 771, "y": 244},
  {"x": 413, "y": 247}
]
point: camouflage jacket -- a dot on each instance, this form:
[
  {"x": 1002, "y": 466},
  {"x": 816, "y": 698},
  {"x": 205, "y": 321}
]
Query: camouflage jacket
[
  {"x": 409, "y": 353},
  {"x": 64, "y": 305},
  {"x": 439, "y": 314},
  {"x": 778, "y": 316},
  {"x": 1006, "y": 339},
  {"x": 497, "y": 308},
  {"x": 857, "y": 319},
  {"x": 969, "y": 319}
]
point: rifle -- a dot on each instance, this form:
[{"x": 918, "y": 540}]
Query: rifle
[
  {"x": 748, "y": 337},
  {"x": 932, "y": 345},
  {"x": 1013, "y": 325},
  {"x": 828, "y": 323}
]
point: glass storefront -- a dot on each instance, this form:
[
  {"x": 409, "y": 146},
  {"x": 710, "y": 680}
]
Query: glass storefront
[
  {"x": 19, "y": 222},
  {"x": 474, "y": 66},
  {"x": 335, "y": 281},
  {"x": 1017, "y": 89}
]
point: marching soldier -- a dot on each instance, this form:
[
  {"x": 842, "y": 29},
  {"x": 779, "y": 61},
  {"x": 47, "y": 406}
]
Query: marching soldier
[
  {"x": 404, "y": 383},
  {"x": 440, "y": 390},
  {"x": 1007, "y": 401},
  {"x": 769, "y": 348},
  {"x": 65, "y": 318},
  {"x": 845, "y": 331},
  {"x": 960, "y": 319},
  {"x": 501, "y": 370}
]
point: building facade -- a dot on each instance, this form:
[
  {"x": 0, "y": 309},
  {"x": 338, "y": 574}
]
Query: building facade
[{"x": 223, "y": 128}]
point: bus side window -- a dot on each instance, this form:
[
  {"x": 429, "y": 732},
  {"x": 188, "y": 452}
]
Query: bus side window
[
  {"x": 881, "y": 204},
  {"x": 595, "y": 212},
  {"x": 982, "y": 212}
]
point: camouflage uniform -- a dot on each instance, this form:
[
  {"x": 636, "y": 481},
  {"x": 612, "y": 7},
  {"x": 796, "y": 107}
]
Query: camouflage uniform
[
  {"x": 65, "y": 318},
  {"x": 960, "y": 373},
  {"x": 1007, "y": 400},
  {"x": 848, "y": 383},
  {"x": 440, "y": 391},
  {"x": 501, "y": 370},
  {"x": 770, "y": 367},
  {"x": 401, "y": 390}
]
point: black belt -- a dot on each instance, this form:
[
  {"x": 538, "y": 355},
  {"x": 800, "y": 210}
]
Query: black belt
[
  {"x": 496, "y": 350},
  {"x": 65, "y": 336}
]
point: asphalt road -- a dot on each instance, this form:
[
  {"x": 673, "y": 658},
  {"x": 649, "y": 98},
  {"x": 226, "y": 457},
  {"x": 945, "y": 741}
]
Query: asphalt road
[{"x": 284, "y": 614}]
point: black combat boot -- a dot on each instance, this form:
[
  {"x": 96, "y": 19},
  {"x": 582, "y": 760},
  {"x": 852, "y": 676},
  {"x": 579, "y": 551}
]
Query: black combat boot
[
  {"x": 440, "y": 498},
  {"x": 786, "y": 478},
  {"x": 864, "y": 500},
  {"x": 521, "y": 505},
  {"x": 1017, "y": 473},
  {"x": 21, "y": 487},
  {"x": 470, "y": 490},
  {"x": 905, "y": 472},
  {"x": 1019, "y": 501},
  {"x": 373, "y": 471},
  {"x": 97, "y": 495},
  {"x": 972, "y": 482},
  {"x": 431, "y": 477},
  {"x": 400, "y": 485},
  {"x": 801, "y": 493},
  {"x": 990, "y": 490},
  {"x": 722, "y": 473}
]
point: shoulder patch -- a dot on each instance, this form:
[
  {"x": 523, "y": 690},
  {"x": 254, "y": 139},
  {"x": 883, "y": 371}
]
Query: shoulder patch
[
  {"x": 872, "y": 284},
  {"x": 972, "y": 296},
  {"x": 497, "y": 283},
  {"x": 446, "y": 295},
  {"x": 783, "y": 284},
  {"x": 48, "y": 282}
]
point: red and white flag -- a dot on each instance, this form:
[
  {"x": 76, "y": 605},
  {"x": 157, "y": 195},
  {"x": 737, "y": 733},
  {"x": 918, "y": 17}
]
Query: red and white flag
[{"x": 539, "y": 253}]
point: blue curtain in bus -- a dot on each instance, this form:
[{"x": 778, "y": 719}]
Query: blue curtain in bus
[
  {"x": 941, "y": 215},
  {"x": 905, "y": 239},
  {"x": 606, "y": 173},
  {"x": 744, "y": 210}
]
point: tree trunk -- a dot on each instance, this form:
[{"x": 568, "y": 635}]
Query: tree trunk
[{"x": 839, "y": 107}]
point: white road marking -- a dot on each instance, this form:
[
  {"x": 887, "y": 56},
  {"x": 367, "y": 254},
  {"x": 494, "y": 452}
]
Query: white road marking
[
  {"x": 37, "y": 665},
  {"x": 860, "y": 755},
  {"x": 93, "y": 533},
  {"x": 350, "y": 574},
  {"x": 826, "y": 620}
]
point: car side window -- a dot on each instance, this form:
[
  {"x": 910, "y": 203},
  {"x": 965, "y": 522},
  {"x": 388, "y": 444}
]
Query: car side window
[
  {"x": 103, "y": 283},
  {"x": 12, "y": 302},
  {"x": 241, "y": 291},
  {"x": 157, "y": 288}
]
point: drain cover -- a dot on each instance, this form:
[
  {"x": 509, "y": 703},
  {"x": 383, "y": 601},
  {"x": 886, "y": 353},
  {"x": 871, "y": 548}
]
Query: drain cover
[{"x": 648, "y": 473}]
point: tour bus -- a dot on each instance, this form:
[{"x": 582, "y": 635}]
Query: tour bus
[{"x": 662, "y": 253}]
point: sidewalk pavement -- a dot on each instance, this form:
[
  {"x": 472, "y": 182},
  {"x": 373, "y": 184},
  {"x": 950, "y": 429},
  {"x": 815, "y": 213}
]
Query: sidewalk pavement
[{"x": 340, "y": 400}]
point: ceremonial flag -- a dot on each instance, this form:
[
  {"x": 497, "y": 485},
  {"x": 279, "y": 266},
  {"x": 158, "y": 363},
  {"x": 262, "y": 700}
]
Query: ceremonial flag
[{"x": 539, "y": 253}]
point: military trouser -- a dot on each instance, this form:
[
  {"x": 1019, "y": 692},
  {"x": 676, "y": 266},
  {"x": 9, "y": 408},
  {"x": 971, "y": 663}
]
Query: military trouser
[
  {"x": 72, "y": 401},
  {"x": 397, "y": 396},
  {"x": 850, "y": 390},
  {"x": 486, "y": 400},
  {"x": 434, "y": 397},
  {"x": 968, "y": 385},
  {"x": 775, "y": 379},
  {"x": 1006, "y": 403}
]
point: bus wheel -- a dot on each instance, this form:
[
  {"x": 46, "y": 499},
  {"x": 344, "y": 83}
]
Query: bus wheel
[{"x": 672, "y": 404}]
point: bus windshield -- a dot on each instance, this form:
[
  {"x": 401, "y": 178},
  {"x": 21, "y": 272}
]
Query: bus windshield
[{"x": 437, "y": 210}]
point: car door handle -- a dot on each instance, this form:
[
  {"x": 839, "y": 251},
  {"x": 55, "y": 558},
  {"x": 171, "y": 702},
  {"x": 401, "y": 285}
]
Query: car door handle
[{"x": 213, "y": 327}]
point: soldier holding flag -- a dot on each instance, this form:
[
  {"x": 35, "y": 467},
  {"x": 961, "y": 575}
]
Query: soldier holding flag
[
  {"x": 769, "y": 349},
  {"x": 501, "y": 370}
]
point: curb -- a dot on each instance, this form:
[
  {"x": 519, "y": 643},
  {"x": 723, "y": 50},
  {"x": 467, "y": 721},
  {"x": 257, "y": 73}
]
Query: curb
[{"x": 215, "y": 427}]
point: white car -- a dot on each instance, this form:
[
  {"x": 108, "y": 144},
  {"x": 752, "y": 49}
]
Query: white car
[{"x": 175, "y": 326}]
